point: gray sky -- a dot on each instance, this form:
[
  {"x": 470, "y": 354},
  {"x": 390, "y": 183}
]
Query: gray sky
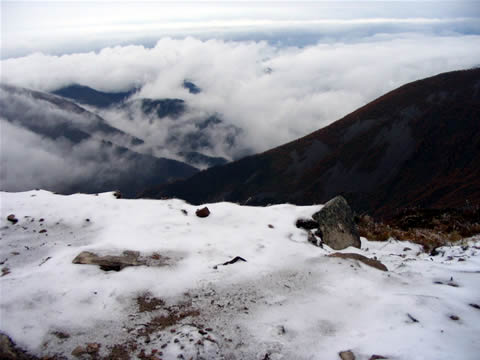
[{"x": 68, "y": 26}]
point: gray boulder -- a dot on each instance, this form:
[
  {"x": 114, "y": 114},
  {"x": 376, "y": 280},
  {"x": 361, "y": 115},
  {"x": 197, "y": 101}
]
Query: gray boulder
[{"x": 336, "y": 226}]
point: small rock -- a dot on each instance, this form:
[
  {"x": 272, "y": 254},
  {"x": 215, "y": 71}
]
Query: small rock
[
  {"x": 12, "y": 218},
  {"x": 79, "y": 351},
  {"x": 307, "y": 224},
  {"x": 93, "y": 348},
  {"x": 41, "y": 220},
  {"x": 475, "y": 306},
  {"x": 234, "y": 260},
  {"x": 454, "y": 317},
  {"x": 202, "y": 213},
  {"x": 117, "y": 194},
  {"x": 185, "y": 212},
  {"x": 42, "y": 231},
  {"x": 346, "y": 355},
  {"x": 313, "y": 239},
  {"x": 270, "y": 226},
  {"x": 377, "y": 357},
  {"x": 412, "y": 318},
  {"x": 5, "y": 271},
  {"x": 404, "y": 249}
]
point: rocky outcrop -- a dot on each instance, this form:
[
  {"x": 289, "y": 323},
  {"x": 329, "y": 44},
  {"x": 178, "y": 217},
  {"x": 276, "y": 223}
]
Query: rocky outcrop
[
  {"x": 336, "y": 226},
  {"x": 367, "y": 261}
]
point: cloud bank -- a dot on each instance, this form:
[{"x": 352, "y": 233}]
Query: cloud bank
[{"x": 275, "y": 94}]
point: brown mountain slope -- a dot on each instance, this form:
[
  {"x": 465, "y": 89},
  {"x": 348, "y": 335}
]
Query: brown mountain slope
[{"x": 418, "y": 145}]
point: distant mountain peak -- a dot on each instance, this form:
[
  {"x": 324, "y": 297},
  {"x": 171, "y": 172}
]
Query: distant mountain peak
[
  {"x": 191, "y": 87},
  {"x": 89, "y": 96}
]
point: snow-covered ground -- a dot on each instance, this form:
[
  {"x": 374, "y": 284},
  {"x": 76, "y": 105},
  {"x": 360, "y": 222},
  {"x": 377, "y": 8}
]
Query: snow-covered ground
[{"x": 288, "y": 301}]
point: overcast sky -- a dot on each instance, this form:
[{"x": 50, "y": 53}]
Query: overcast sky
[{"x": 277, "y": 70}]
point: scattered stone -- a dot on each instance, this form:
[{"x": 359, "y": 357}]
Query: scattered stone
[
  {"x": 93, "y": 348},
  {"x": 270, "y": 226},
  {"x": 406, "y": 249},
  {"x": 44, "y": 261},
  {"x": 450, "y": 283},
  {"x": 5, "y": 271},
  {"x": 307, "y": 224},
  {"x": 377, "y": 357},
  {"x": 79, "y": 351},
  {"x": 475, "y": 306},
  {"x": 336, "y": 225},
  {"x": 185, "y": 212},
  {"x": 314, "y": 239},
  {"x": 202, "y": 213},
  {"x": 12, "y": 218},
  {"x": 41, "y": 220},
  {"x": 117, "y": 194},
  {"x": 42, "y": 231},
  {"x": 454, "y": 317},
  {"x": 234, "y": 260},
  {"x": 87, "y": 220},
  {"x": 367, "y": 261},
  {"x": 61, "y": 335},
  {"x": 412, "y": 318},
  {"x": 346, "y": 355}
]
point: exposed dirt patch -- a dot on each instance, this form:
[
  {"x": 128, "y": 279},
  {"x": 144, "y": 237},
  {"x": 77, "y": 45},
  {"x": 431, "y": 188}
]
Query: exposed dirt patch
[
  {"x": 119, "y": 352},
  {"x": 148, "y": 303},
  {"x": 161, "y": 322}
]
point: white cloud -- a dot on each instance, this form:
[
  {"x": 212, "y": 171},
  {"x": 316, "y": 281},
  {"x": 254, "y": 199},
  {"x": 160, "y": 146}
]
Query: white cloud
[{"x": 308, "y": 88}]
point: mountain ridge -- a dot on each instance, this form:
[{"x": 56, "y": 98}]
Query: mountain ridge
[{"x": 414, "y": 146}]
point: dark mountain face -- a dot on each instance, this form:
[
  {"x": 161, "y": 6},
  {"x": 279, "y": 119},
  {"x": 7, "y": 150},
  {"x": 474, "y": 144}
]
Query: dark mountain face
[
  {"x": 93, "y": 155},
  {"x": 158, "y": 108},
  {"x": 418, "y": 145},
  {"x": 88, "y": 96}
]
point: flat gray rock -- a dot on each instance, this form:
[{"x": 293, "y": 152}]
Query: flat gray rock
[
  {"x": 367, "y": 261},
  {"x": 119, "y": 262}
]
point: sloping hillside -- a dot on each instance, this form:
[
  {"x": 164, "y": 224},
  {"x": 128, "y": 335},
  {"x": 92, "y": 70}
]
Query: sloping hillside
[
  {"x": 52, "y": 143},
  {"x": 415, "y": 146}
]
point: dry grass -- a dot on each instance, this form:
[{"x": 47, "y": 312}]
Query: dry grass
[{"x": 428, "y": 227}]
